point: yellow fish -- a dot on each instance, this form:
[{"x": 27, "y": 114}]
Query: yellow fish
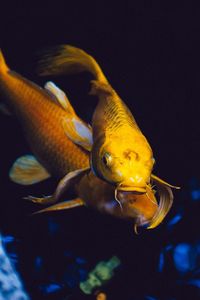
[
  {"x": 43, "y": 114},
  {"x": 120, "y": 153}
]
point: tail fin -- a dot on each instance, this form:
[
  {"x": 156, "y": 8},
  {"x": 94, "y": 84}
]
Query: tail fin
[
  {"x": 68, "y": 60},
  {"x": 3, "y": 66}
]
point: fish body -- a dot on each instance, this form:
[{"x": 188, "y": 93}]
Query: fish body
[
  {"x": 41, "y": 119},
  {"x": 120, "y": 153},
  {"x": 44, "y": 115}
]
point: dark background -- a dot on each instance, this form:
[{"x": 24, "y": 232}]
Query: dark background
[{"x": 150, "y": 54}]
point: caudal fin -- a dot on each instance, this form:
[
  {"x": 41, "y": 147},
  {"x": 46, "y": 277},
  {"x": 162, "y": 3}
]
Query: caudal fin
[
  {"x": 68, "y": 60},
  {"x": 3, "y": 66}
]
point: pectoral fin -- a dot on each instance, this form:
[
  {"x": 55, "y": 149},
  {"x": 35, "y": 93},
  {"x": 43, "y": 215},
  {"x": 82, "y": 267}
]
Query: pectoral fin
[
  {"x": 61, "y": 97},
  {"x": 26, "y": 170},
  {"x": 79, "y": 132},
  {"x": 69, "y": 180},
  {"x": 63, "y": 205}
]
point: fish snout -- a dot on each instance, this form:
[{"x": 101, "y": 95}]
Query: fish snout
[{"x": 135, "y": 183}]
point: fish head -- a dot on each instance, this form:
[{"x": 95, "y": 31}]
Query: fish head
[
  {"x": 128, "y": 166},
  {"x": 148, "y": 209},
  {"x": 140, "y": 207}
]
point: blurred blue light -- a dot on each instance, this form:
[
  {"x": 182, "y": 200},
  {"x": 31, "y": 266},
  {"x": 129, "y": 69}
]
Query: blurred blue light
[
  {"x": 53, "y": 226},
  {"x": 51, "y": 288},
  {"x": 194, "y": 282},
  {"x": 168, "y": 247},
  {"x": 161, "y": 262},
  {"x": 149, "y": 298},
  {"x": 38, "y": 263},
  {"x": 174, "y": 220},
  {"x": 10, "y": 284},
  {"x": 80, "y": 260},
  {"x": 195, "y": 195},
  {"x": 82, "y": 275},
  {"x": 181, "y": 257},
  {"x": 8, "y": 239}
]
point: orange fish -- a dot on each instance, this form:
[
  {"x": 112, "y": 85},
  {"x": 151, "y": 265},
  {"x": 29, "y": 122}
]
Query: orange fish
[{"x": 43, "y": 114}]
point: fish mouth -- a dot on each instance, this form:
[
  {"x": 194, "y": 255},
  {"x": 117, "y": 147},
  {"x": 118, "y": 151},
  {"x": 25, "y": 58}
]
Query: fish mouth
[{"x": 138, "y": 189}]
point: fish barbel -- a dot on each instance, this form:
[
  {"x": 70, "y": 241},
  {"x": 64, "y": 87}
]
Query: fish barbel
[
  {"x": 120, "y": 153},
  {"x": 44, "y": 115}
]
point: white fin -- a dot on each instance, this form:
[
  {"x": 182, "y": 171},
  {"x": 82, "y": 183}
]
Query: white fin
[
  {"x": 76, "y": 129},
  {"x": 63, "y": 205},
  {"x": 79, "y": 132},
  {"x": 60, "y": 96},
  {"x": 26, "y": 170}
]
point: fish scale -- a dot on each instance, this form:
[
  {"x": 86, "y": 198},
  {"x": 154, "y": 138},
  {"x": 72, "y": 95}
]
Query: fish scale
[
  {"x": 41, "y": 119},
  {"x": 118, "y": 113}
]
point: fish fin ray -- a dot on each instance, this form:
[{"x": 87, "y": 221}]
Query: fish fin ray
[
  {"x": 79, "y": 132},
  {"x": 26, "y": 170},
  {"x": 63, "y": 205},
  {"x": 41, "y": 200},
  {"x": 66, "y": 59},
  {"x": 61, "y": 97},
  {"x": 165, "y": 203}
]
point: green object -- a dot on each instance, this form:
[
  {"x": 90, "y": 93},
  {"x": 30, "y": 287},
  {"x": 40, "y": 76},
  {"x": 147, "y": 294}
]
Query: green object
[{"x": 100, "y": 274}]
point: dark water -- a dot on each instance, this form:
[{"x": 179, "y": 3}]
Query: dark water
[{"x": 151, "y": 57}]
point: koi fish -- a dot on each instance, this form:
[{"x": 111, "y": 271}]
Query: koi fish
[
  {"x": 120, "y": 153},
  {"x": 44, "y": 115}
]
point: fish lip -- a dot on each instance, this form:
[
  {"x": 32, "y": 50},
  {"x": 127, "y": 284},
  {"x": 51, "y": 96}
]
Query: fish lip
[{"x": 124, "y": 188}]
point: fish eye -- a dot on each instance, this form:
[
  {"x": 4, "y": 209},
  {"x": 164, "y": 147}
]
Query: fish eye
[{"x": 106, "y": 159}]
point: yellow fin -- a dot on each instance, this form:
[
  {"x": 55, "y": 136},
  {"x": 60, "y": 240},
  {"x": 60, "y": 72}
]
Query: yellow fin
[
  {"x": 26, "y": 170},
  {"x": 79, "y": 132},
  {"x": 67, "y": 59},
  {"x": 62, "y": 205},
  {"x": 165, "y": 203},
  {"x": 60, "y": 97}
]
